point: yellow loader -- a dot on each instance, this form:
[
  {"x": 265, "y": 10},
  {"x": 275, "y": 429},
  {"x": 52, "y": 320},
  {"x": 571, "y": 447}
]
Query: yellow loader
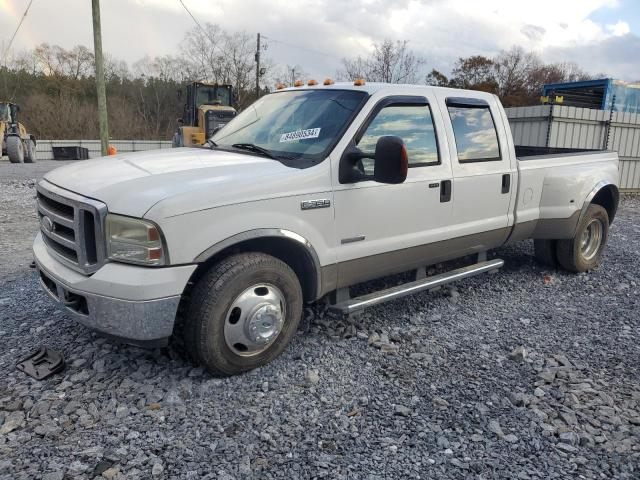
[
  {"x": 208, "y": 107},
  {"x": 15, "y": 142}
]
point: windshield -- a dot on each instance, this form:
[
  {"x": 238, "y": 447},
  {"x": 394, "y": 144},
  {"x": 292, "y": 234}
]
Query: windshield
[
  {"x": 4, "y": 113},
  {"x": 301, "y": 124}
]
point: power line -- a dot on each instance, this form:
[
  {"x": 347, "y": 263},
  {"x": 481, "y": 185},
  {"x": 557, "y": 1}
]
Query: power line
[
  {"x": 301, "y": 47},
  {"x": 263, "y": 36},
  {"x": 197, "y": 23},
  {"x": 24, "y": 15}
]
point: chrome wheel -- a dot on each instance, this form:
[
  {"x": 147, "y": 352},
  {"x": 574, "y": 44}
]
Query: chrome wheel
[
  {"x": 254, "y": 320},
  {"x": 591, "y": 239}
]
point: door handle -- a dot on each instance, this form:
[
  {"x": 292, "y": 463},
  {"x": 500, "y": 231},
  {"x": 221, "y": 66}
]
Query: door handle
[
  {"x": 506, "y": 182},
  {"x": 445, "y": 191}
]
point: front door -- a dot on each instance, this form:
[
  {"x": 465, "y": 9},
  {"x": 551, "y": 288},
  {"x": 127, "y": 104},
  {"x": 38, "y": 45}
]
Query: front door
[{"x": 382, "y": 229}]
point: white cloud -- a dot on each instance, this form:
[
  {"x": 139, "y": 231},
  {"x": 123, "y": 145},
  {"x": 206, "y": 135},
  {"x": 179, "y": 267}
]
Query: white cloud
[
  {"x": 325, "y": 31},
  {"x": 618, "y": 29}
]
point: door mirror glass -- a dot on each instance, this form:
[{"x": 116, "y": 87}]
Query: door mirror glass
[{"x": 391, "y": 162}]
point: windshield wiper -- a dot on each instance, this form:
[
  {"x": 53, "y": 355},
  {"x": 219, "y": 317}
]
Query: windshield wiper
[
  {"x": 254, "y": 148},
  {"x": 212, "y": 144}
]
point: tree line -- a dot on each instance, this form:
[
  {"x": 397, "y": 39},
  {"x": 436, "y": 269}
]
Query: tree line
[
  {"x": 515, "y": 75},
  {"x": 55, "y": 87}
]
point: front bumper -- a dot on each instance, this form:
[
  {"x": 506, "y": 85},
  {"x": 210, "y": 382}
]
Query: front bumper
[{"x": 135, "y": 304}]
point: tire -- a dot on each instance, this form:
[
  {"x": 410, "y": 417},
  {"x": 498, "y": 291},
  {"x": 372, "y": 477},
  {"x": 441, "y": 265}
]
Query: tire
[
  {"x": 218, "y": 318},
  {"x": 545, "y": 252},
  {"x": 584, "y": 251},
  {"x": 30, "y": 154},
  {"x": 15, "y": 149}
]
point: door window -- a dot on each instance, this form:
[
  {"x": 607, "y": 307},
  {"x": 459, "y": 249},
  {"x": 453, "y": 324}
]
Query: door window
[
  {"x": 475, "y": 133},
  {"x": 413, "y": 124}
]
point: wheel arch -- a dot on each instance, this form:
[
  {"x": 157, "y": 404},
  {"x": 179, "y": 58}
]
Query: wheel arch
[
  {"x": 290, "y": 247},
  {"x": 605, "y": 194}
]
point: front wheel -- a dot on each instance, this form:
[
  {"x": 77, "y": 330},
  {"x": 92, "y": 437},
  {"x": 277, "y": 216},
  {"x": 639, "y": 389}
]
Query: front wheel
[
  {"x": 242, "y": 313},
  {"x": 584, "y": 251},
  {"x": 15, "y": 149}
]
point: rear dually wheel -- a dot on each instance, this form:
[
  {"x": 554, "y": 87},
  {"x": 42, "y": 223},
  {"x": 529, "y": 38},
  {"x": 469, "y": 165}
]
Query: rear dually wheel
[{"x": 584, "y": 251}]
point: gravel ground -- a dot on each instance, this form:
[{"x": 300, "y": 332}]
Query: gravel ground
[
  {"x": 527, "y": 373},
  {"x": 18, "y": 218}
]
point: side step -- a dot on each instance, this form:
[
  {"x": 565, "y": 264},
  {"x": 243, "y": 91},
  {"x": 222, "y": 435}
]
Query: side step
[{"x": 428, "y": 283}]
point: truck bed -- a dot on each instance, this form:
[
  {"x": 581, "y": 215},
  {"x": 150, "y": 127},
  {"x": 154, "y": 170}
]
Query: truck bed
[
  {"x": 525, "y": 152},
  {"x": 554, "y": 185}
]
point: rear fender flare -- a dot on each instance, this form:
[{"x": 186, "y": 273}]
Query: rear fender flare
[{"x": 592, "y": 194}]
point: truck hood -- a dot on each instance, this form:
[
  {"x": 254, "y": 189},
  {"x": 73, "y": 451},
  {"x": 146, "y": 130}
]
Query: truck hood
[{"x": 132, "y": 183}]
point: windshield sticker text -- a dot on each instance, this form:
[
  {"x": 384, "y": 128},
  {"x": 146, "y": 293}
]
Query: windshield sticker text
[{"x": 300, "y": 135}]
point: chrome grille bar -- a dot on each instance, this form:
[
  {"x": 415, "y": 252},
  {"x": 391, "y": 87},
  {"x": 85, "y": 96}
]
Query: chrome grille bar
[
  {"x": 67, "y": 222},
  {"x": 72, "y": 226},
  {"x": 66, "y": 242}
]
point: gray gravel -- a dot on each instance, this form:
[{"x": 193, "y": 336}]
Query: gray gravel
[
  {"x": 18, "y": 218},
  {"x": 528, "y": 373}
]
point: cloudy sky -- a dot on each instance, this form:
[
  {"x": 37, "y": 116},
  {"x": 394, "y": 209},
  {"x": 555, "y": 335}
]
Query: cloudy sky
[{"x": 603, "y": 36}]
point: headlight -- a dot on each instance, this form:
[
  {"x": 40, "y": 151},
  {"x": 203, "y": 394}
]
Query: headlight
[{"x": 133, "y": 240}]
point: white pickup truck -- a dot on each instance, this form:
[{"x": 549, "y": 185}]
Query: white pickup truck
[{"x": 310, "y": 190}]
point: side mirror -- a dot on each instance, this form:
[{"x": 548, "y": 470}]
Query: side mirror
[
  {"x": 350, "y": 169},
  {"x": 391, "y": 162}
]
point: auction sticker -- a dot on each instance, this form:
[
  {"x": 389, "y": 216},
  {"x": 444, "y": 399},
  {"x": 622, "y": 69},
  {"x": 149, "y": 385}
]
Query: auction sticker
[{"x": 300, "y": 135}]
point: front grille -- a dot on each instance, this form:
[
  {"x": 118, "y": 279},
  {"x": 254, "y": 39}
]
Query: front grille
[{"x": 72, "y": 227}]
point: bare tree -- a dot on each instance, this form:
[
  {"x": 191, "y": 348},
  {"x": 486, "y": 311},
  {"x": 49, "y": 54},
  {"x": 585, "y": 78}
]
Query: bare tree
[
  {"x": 286, "y": 74},
  {"x": 238, "y": 67},
  {"x": 115, "y": 69},
  {"x": 390, "y": 62},
  {"x": 512, "y": 68},
  {"x": 25, "y": 61},
  {"x": 57, "y": 61},
  {"x": 203, "y": 49}
]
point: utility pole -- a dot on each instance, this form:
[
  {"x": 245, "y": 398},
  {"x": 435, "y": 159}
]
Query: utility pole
[
  {"x": 293, "y": 76},
  {"x": 258, "y": 67},
  {"x": 100, "y": 83}
]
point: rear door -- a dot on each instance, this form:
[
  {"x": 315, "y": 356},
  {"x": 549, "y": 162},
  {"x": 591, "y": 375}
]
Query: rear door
[
  {"x": 380, "y": 228},
  {"x": 483, "y": 174}
]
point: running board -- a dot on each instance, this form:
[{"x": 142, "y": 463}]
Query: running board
[{"x": 428, "y": 283}]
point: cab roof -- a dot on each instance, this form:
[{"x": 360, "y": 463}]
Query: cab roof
[{"x": 375, "y": 87}]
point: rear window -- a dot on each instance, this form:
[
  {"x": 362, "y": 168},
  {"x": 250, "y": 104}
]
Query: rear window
[{"x": 475, "y": 133}]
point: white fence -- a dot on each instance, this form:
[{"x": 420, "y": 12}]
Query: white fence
[
  {"x": 44, "y": 152},
  {"x": 559, "y": 126}
]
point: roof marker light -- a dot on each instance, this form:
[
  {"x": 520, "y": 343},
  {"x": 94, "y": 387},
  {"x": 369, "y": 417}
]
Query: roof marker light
[
  {"x": 298, "y": 83},
  {"x": 280, "y": 86},
  {"x": 328, "y": 81},
  {"x": 311, "y": 83},
  {"x": 359, "y": 82}
]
